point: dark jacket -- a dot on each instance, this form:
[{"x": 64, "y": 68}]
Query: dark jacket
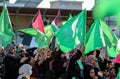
[
  {"x": 73, "y": 68},
  {"x": 12, "y": 64}
]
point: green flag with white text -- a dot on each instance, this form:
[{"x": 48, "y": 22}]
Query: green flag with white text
[
  {"x": 109, "y": 36},
  {"x": 94, "y": 37},
  {"x": 72, "y": 33},
  {"x": 98, "y": 36},
  {"x": 110, "y": 40}
]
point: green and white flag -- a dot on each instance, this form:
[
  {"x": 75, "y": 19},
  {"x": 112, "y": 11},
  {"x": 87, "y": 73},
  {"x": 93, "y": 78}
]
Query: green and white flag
[
  {"x": 98, "y": 36},
  {"x": 72, "y": 33},
  {"x": 94, "y": 37},
  {"x": 6, "y": 30}
]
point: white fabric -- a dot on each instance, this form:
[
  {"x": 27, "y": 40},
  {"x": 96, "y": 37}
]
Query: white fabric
[
  {"x": 24, "y": 70},
  {"x": 33, "y": 43},
  {"x": 21, "y": 76}
]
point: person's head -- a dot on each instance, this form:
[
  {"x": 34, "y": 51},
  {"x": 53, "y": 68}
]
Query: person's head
[
  {"x": 1, "y": 50},
  {"x": 106, "y": 72},
  {"x": 42, "y": 53},
  {"x": 90, "y": 73},
  {"x": 21, "y": 46},
  {"x": 97, "y": 53},
  {"x": 112, "y": 71},
  {"x": 91, "y": 59},
  {"x": 49, "y": 54},
  {"x": 25, "y": 70},
  {"x": 109, "y": 64},
  {"x": 79, "y": 51},
  {"x": 29, "y": 60},
  {"x": 12, "y": 49},
  {"x": 63, "y": 55},
  {"x": 20, "y": 52}
]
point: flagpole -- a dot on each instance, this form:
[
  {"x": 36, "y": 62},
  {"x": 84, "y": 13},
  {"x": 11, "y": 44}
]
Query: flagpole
[{"x": 16, "y": 32}]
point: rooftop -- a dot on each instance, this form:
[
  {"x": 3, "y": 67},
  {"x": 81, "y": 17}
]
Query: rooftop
[{"x": 48, "y": 12}]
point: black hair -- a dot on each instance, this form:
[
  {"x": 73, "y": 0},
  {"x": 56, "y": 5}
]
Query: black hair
[
  {"x": 97, "y": 53},
  {"x": 90, "y": 53},
  {"x": 109, "y": 62},
  {"x": 117, "y": 66},
  {"x": 79, "y": 51},
  {"x": 28, "y": 60},
  {"x": 87, "y": 72},
  {"x": 24, "y": 77}
]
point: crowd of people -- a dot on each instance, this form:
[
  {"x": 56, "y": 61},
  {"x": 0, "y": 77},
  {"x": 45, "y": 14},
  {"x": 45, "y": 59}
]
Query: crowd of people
[{"x": 16, "y": 62}]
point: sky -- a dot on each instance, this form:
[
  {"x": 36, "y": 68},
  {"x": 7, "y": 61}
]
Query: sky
[
  {"x": 12, "y": 1},
  {"x": 88, "y": 4}
]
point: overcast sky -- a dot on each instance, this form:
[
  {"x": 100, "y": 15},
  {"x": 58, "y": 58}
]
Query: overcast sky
[{"x": 88, "y": 4}]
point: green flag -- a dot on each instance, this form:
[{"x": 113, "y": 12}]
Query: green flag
[
  {"x": 110, "y": 8},
  {"x": 30, "y": 31},
  {"x": 99, "y": 35},
  {"x": 110, "y": 40},
  {"x": 112, "y": 51},
  {"x": 72, "y": 33},
  {"x": 118, "y": 74},
  {"x": 94, "y": 37},
  {"x": 6, "y": 30},
  {"x": 43, "y": 40},
  {"x": 70, "y": 17},
  {"x": 49, "y": 31},
  {"x": 109, "y": 36},
  {"x": 118, "y": 46},
  {"x": 53, "y": 42}
]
